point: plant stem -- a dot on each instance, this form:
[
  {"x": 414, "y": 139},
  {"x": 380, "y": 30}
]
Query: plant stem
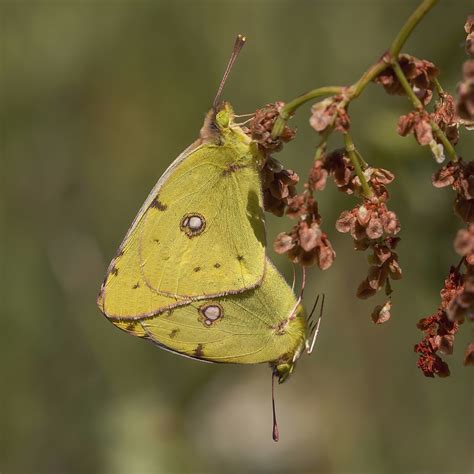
[
  {"x": 321, "y": 148},
  {"x": 419, "y": 106},
  {"x": 406, "y": 85},
  {"x": 356, "y": 89},
  {"x": 351, "y": 151},
  {"x": 439, "y": 87},
  {"x": 289, "y": 108},
  {"x": 444, "y": 140},
  {"x": 369, "y": 75},
  {"x": 409, "y": 26}
]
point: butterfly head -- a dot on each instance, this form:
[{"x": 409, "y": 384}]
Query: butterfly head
[
  {"x": 224, "y": 116},
  {"x": 295, "y": 327},
  {"x": 284, "y": 367},
  {"x": 305, "y": 330}
]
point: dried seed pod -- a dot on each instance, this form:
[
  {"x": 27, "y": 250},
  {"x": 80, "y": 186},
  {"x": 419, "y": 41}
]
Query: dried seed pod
[
  {"x": 420, "y": 74},
  {"x": 381, "y": 313}
]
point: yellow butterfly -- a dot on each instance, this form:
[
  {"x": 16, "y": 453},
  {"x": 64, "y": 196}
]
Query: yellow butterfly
[{"x": 191, "y": 274}]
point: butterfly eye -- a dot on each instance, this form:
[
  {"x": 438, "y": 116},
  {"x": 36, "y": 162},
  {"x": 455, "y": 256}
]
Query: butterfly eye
[
  {"x": 193, "y": 224},
  {"x": 210, "y": 313}
]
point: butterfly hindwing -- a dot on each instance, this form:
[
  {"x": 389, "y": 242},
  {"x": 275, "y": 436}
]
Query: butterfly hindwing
[{"x": 250, "y": 327}]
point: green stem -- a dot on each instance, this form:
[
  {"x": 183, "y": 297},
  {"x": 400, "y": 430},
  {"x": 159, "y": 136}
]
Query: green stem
[
  {"x": 362, "y": 162},
  {"x": 439, "y": 87},
  {"x": 406, "y": 85},
  {"x": 356, "y": 89},
  {"x": 409, "y": 26},
  {"x": 321, "y": 148},
  {"x": 289, "y": 108},
  {"x": 351, "y": 151},
  {"x": 444, "y": 140},
  {"x": 418, "y": 105}
]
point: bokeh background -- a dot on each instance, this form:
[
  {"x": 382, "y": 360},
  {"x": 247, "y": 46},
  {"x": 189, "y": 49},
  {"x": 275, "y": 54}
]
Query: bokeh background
[{"x": 97, "y": 98}]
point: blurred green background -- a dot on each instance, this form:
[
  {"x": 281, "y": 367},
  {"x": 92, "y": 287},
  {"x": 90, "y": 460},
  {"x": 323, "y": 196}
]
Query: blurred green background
[{"x": 97, "y": 98}]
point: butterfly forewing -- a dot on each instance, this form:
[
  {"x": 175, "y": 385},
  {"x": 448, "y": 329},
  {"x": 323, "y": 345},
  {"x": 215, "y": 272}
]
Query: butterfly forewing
[
  {"x": 204, "y": 235},
  {"x": 200, "y": 233}
]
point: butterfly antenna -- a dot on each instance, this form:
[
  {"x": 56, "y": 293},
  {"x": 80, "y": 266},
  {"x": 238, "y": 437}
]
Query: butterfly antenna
[
  {"x": 238, "y": 45},
  {"x": 315, "y": 327},
  {"x": 275, "y": 433}
]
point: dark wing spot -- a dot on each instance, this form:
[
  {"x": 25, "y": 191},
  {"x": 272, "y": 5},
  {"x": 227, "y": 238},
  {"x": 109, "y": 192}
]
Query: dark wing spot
[
  {"x": 173, "y": 333},
  {"x": 240, "y": 258},
  {"x": 136, "y": 285},
  {"x": 198, "y": 352},
  {"x": 156, "y": 240},
  {"x": 131, "y": 326},
  {"x": 217, "y": 265},
  {"x": 197, "y": 269},
  {"x": 114, "y": 271},
  {"x": 233, "y": 168},
  {"x": 156, "y": 204}
]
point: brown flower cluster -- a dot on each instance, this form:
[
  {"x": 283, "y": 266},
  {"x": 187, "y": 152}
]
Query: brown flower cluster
[
  {"x": 419, "y": 123},
  {"x": 260, "y": 128},
  {"x": 446, "y": 117},
  {"x": 465, "y": 104},
  {"x": 460, "y": 176},
  {"x": 419, "y": 73},
  {"x": 278, "y": 186},
  {"x": 278, "y": 183},
  {"x": 469, "y": 28},
  {"x": 462, "y": 304},
  {"x": 339, "y": 166},
  {"x": 306, "y": 243},
  {"x": 330, "y": 113},
  {"x": 457, "y": 304},
  {"x": 373, "y": 226},
  {"x": 439, "y": 330}
]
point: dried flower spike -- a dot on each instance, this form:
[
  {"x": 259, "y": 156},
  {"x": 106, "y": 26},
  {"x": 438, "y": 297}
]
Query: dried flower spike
[
  {"x": 419, "y": 73},
  {"x": 330, "y": 113},
  {"x": 305, "y": 243},
  {"x": 260, "y": 129}
]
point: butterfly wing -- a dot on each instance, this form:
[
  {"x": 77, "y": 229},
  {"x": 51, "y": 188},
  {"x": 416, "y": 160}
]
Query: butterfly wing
[
  {"x": 247, "y": 328},
  {"x": 200, "y": 233}
]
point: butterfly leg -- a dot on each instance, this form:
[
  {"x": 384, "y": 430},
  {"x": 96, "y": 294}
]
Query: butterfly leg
[{"x": 314, "y": 327}]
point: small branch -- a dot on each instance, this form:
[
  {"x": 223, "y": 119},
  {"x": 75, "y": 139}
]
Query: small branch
[
  {"x": 289, "y": 108},
  {"x": 439, "y": 88},
  {"x": 351, "y": 151},
  {"x": 406, "y": 85},
  {"x": 444, "y": 140},
  {"x": 356, "y": 89},
  {"x": 321, "y": 148},
  {"x": 409, "y": 26},
  {"x": 419, "y": 106}
]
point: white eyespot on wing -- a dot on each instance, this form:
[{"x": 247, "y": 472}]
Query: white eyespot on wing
[
  {"x": 210, "y": 313},
  {"x": 195, "y": 223}
]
